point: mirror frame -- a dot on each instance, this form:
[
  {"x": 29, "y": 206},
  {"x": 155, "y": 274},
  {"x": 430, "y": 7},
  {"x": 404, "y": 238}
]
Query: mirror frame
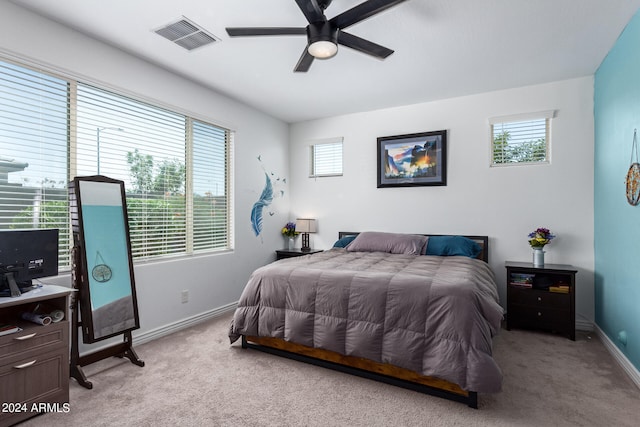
[{"x": 84, "y": 267}]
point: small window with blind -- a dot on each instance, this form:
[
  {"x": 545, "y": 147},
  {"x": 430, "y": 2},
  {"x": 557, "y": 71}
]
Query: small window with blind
[
  {"x": 521, "y": 139},
  {"x": 326, "y": 158}
]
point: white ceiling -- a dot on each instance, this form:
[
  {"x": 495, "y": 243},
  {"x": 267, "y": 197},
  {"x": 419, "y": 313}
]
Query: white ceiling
[{"x": 443, "y": 48}]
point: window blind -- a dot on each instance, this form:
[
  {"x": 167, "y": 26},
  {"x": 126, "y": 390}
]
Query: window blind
[
  {"x": 33, "y": 153},
  {"x": 326, "y": 158},
  {"x": 521, "y": 138},
  {"x": 144, "y": 146},
  {"x": 176, "y": 169},
  {"x": 210, "y": 187}
]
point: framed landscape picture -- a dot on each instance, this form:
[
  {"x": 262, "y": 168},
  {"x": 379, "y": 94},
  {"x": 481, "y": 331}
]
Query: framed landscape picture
[{"x": 412, "y": 160}]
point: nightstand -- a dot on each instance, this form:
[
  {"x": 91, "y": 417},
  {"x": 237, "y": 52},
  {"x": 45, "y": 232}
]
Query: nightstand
[
  {"x": 541, "y": 297},
  {"x": 291, "y": 253}
]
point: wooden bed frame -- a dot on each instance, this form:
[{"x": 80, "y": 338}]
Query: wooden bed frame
[{"x": 366, "y": 368}]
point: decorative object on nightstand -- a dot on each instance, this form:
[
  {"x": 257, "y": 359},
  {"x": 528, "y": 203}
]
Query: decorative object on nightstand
[
  {"x": 306, "y": 226},
  {"x": 289, "y": 232},
  {"x": 538, "y": 239},
  {"x": 541, "y": 297}
]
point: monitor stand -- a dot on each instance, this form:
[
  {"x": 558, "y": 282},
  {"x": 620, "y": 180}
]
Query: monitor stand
[{"x": 13, "y": 286}]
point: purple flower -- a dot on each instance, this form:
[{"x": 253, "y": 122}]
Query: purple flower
[
  {"x": 290, "y": 229},
  {"x": 540, "y": 237}
]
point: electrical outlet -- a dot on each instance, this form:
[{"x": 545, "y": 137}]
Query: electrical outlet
[{"x": 185, "y": 296}]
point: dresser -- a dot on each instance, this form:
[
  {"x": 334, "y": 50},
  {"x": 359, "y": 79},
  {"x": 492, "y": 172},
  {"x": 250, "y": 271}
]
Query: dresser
[
  {"x": 541, "y": 297},
  {"x": 34, "y": 362}
]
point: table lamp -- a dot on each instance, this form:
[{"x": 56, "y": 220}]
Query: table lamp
[{"x": 305, "y": 226}]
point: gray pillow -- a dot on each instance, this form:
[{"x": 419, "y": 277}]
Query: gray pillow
[{"x": 394, "y": 243}]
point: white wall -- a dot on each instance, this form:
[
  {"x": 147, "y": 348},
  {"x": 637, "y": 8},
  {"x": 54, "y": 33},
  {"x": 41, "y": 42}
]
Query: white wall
[
  {"x": 213, "y": 281},
  {"x": 505, "y": 203}
]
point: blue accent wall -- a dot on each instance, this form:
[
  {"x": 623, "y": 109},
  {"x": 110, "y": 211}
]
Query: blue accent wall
[{"x": 617, "y": 223}]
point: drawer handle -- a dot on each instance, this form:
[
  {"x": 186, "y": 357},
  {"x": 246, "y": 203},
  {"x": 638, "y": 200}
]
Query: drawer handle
[
  {"x": 539, "y": 314},
  {"x": 539, "y": 299},
  {"x": 25, "y": 365},
  {"x": 26, "y": 337}
]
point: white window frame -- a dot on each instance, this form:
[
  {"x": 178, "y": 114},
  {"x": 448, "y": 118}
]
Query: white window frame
[
  {"x": 333, "y": 169},
  {"x": 514, "y": 119}
]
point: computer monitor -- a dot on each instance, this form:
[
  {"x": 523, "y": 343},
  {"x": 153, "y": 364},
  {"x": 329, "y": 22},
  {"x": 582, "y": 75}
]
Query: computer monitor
[{"x": 26, "y": 255}]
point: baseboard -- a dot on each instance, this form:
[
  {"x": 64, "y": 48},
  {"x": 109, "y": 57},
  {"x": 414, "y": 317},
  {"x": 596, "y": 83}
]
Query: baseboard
[
  {"x": 584, "y": 325},
  {"x": 182, "y": 324},
  {"x": 619, "y": 356}
]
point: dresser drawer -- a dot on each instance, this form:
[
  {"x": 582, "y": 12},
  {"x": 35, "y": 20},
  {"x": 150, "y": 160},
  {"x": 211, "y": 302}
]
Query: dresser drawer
[
  {"x": 38, "y": 339},
  {"x": 27, "y": 382},
  {"x": 536, "y": 298}
]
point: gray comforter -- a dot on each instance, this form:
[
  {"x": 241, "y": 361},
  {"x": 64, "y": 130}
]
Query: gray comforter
[{"x": 432, "y": 315}]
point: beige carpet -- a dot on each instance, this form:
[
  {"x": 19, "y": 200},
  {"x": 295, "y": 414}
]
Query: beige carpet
[{"x": 195, "y": 378}]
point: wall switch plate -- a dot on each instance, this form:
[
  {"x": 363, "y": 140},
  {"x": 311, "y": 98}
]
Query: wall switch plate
[{"x": 185, "y": 296}]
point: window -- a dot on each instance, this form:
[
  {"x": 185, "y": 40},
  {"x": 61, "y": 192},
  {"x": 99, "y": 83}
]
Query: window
[
  {"x": 175, "y": 168},
  {"x": 33, "y": 153},
  {"x": 521, "y": 139},
  {"x": 326, "y": 158}
]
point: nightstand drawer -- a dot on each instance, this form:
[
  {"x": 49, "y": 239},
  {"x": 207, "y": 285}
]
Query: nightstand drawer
[
  {"x": 538, "y": 298},
  {"x": 539, "y": 317}
]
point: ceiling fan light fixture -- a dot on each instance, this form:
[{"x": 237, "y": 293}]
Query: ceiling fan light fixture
[
  {"x": 323, "y": 40},
  {"x": 324, "y": 35},
  {"x": 322, "y": 49}
]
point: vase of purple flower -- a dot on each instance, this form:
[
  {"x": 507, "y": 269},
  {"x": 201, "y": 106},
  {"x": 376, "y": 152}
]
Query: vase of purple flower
[
  {"x": 538, "y": 257},
  {"x": 538, "y": 239},
  {"x": 289, "y": 232}
]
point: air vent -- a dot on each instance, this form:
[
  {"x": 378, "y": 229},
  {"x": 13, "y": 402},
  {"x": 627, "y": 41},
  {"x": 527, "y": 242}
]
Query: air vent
[{"x": 186, "y": 34}]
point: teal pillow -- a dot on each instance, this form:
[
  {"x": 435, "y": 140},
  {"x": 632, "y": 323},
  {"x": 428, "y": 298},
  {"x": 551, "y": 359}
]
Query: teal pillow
[
  {"x": 342, "y": 243},
  {"x": 452, "y": 245}
]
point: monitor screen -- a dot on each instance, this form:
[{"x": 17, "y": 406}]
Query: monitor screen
[{"x": 27, "y": 255}]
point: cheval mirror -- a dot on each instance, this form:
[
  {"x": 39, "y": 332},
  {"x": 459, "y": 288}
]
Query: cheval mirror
[{"x": 103, "y": 270}]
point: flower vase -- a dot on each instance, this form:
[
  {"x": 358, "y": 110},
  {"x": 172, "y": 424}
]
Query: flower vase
[
  {"x": 538, "y": 257},
  {"x": 290, "y": 243}
]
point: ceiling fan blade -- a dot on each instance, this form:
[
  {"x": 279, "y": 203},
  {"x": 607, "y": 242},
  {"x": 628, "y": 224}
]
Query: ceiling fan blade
[
  {"x": 362, "y": 45},
  {"x": 304, "y": 63},
  {"x": 312, "y": 11},
  {"x": 265, "y": 31},
  {"x": 362, "y": 12}
]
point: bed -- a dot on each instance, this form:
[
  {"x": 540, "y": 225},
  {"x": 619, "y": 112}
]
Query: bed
[{"x": 405, "y": 309}]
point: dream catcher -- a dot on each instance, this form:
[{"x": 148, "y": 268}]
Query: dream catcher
[{"x": 633, "y": 175}]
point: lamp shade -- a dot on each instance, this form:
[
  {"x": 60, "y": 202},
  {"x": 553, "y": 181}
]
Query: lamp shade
[{"x": 305, "y": 225}]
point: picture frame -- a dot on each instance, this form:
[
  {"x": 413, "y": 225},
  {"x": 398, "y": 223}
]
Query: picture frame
[{"x": 417, "y": 159}]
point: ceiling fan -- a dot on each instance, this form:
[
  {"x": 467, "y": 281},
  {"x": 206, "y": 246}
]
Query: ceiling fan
[{"x": 324, "y": 35}]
